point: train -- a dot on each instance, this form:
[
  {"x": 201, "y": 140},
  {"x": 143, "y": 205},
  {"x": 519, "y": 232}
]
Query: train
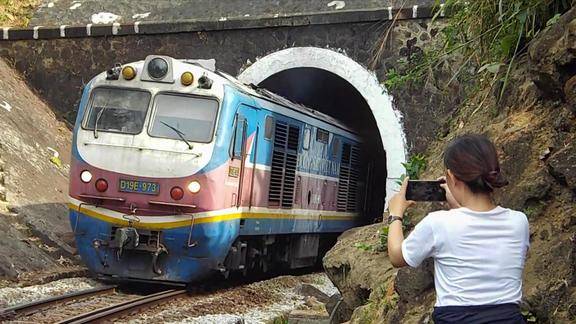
[{"x": 180, "y": 172}]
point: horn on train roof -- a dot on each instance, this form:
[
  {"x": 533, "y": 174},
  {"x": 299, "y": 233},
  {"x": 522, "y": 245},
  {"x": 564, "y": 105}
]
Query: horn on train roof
[{"x": 209, "y": 64}]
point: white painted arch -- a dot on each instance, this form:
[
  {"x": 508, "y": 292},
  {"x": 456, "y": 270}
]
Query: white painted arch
[{"x": 387, "y": 118}]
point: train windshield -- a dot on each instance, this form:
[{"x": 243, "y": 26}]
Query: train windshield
[
  {"x": 184, "y": 117},
  {"x": 118, "y": 110}
]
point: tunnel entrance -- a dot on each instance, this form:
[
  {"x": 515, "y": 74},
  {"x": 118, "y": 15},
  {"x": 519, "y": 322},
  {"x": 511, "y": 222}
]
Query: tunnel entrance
[
  {"x": 328, "y": 93},
  {"x": 335, "y": 84}
]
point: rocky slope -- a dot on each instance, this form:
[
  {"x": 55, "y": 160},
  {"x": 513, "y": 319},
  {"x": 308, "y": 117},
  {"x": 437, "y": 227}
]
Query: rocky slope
[
  {"x": 34, "y": 157},
  {"x": 534, "y": 129}
]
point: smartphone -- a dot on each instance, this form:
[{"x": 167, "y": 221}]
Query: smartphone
[{"x": 421, "y": 190}]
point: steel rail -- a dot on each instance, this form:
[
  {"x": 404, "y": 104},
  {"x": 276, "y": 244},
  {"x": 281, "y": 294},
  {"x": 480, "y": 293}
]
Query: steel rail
[
  {"x": 114, "y": 311},
  {"x": 32, "y": 307}
]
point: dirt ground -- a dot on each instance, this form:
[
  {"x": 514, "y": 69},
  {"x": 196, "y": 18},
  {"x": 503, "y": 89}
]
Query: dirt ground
[{"x": 34, "y": 166}]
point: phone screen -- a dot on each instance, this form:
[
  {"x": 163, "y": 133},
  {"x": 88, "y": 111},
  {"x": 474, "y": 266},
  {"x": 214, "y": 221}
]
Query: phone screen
[{"x": 419, "y": 190}]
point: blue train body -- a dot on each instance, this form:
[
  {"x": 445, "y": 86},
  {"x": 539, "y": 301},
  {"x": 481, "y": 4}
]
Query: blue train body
[{"x": 273, "y": 185}]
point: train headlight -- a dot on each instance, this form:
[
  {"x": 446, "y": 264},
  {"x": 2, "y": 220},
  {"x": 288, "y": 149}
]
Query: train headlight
[
  {"x": 157, "y": 68},
  {"x": 194, "y": 186},
  {"x": 86, "y": 176},
  {"x": 187, "y": 78},
  {"x": 128, "y": 73}
]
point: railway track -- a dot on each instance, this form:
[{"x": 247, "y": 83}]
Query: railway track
[
  {"x": 36, "y": 306},
  {"x": 87, "y": 306},
  {"x": 125, "y": 308}
]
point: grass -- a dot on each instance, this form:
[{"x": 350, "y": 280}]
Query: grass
[{"x": 17, "y": 13}]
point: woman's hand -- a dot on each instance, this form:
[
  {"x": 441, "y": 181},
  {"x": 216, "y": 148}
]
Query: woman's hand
[
  {"x": 452, "y": 203},
  {"x": 398, "y": 204}
]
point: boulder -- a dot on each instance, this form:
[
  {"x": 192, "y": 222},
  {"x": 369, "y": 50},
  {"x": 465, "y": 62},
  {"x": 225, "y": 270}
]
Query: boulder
[
  {"x": 333, "y": 302},
  {"x": 308, "y": 290},
  {"x": 555, "y": 49},
  {"x": 355, "y": 265},
  {"x": 411, "y": 283},
  {"x": 562, "y": 165}
]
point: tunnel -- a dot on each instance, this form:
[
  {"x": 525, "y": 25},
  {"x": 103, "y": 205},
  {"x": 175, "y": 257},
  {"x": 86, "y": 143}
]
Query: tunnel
[
  {"x": 332, "y": 82},
  {"x": 330, "y": 94}
]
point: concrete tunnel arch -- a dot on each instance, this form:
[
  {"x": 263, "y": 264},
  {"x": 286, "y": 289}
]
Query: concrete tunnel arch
[{"x": 286, "y": 72}]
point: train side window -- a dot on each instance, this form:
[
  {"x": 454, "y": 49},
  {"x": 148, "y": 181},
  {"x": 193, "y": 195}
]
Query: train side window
[
  {"x": 269, "y": 127},
  {"x": 239, "y": 137},
  {"x": 335, "y": 147},
  {"x": 322, "y": 136},
  {"x": 306, "y": 140}
]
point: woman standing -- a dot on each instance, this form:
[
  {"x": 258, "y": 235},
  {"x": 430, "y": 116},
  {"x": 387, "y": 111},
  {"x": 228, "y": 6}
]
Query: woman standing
[{"x": 479, "y": 248}]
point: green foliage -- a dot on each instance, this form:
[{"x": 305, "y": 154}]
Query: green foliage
[
  {"x": 494, "y": 33},
  {"x": 364, "y": 246},
  {"x": 280, "y": 320},
  {"x": 384, "y": 236},
  {"x": 529, "y": 317},
  {"x": 383, "y": 243},
  {"x": 485, "y": 33},
  {"x": 411, "y": 70},
  {"x": 396, "y": 79},
  {"x": 534, "y": 209},
  {"x": 414, "y": 167},
  {"x": 368, "y": 314}
]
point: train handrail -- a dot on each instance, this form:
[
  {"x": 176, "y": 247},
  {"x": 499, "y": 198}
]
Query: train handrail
[
  {"x": 162, "y": 203},
  {"x": 119, "y": 199}
]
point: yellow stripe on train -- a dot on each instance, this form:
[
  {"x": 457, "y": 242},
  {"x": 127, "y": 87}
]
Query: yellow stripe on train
[{"x": 204, "y": 219}]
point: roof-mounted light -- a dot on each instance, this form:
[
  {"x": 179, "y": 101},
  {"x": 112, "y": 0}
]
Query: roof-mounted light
[
  {"x": 187, "y": 78},
  {"x": 157, "y": 68},
  {"x": 128, "y": 72}
]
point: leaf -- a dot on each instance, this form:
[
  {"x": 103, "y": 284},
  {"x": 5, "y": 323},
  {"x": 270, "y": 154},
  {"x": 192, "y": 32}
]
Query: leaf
[
  {"x": 56, "y": 161},
  {"x": 553, "y": 20},
  {"x": 522, "y": 17},
  {"x": 507, "y": 43},
  {"x": 490, "y": 67},
  {"x": 363, "y": 246}
]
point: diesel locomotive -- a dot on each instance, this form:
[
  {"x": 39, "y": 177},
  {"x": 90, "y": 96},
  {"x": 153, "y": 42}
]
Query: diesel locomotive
[{"x": 180, "y": 172}]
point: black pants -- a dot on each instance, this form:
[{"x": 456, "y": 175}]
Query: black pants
[{"x": 488, "y": 314}]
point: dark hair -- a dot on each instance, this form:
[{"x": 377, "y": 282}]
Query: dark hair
[{"x": 473, "y": 159}]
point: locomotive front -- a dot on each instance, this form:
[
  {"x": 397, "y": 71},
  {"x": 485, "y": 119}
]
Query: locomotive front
[{"x": 143, "y": 172}]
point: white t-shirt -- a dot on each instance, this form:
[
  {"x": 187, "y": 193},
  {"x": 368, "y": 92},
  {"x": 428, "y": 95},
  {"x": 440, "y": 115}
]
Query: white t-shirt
[{"x": 478, "y": 256}]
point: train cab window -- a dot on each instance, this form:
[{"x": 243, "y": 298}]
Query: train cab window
[
  {"x": 269, "y": 127},
  {"x": 322, "y": 136},
  {"x": 117, "y": 110},
  {"x": 306, "y": 140},
  {"x": 178, "y": 116}
]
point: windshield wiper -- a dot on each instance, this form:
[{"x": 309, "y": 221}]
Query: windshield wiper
[
  {"x": 100, "y": 113},
  {"x": 179, "y": 133}
]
